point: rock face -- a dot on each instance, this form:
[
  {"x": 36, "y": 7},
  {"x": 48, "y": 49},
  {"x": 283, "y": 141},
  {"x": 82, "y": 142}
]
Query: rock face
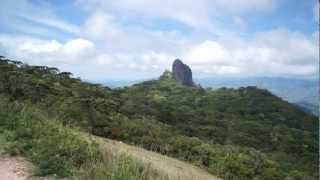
[
  {"x": 166, "y": 75},
  {"x": 182, "y": 73}
]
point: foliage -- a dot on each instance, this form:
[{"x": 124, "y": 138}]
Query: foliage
[
  {"x": 54, "y": 148},
  {"x": 244, "y": 133},
  {"x": 63, "y": 151}
]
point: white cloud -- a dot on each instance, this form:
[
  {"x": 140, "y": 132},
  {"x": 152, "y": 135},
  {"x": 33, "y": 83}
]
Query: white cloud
[
  {"x": 275, "y": 53},
  {"x": 208, "y": 52},
  {"x": 40, "y": 47},
  {"x": 77, "y": 46},
  {"x": 146, "y": 61},
  {"x": 53, "y": 22},
  {"x": 36, "y": 51},
  {"x": 100, "y": 24},
  {"x": 107, "y": 42},
  {"x": 195, "y": 14},
  {"x": 185, "y": 11},
  {"x": 244, "y": 6},
  {"x": 279, "y": 52},
  {"x": 113, "y": 38},
  {"x": 105, "y": 60}
]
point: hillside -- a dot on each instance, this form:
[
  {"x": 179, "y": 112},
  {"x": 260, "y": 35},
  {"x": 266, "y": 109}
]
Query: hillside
[
  {"x": 166, "y": 167},
  {"x": 297, "y": 91},
  {"x": 309, "y": 108},
  {"x": 302, "y": 92},
  {"x": 243, "y": 133}
]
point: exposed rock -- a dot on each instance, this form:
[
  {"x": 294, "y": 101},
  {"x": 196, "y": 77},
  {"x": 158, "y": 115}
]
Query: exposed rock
[
  {"x": 182, "y": 73},
  {"x": 166, "y": 75}
]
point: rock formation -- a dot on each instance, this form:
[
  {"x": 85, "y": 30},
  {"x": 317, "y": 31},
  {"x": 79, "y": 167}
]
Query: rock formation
[
  {"x": 182, "y": 73},
  {"x": 166, "y": 75}
]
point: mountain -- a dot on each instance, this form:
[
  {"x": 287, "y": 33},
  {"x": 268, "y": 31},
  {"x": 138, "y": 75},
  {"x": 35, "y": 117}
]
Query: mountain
[
  {"x": 244, "y": 133},
  {"x": 309, "y": 108},
  {"x": 301, "y": 92},
  {"x": 182, "y": 73},
  {"x": 296, "y": 91}
]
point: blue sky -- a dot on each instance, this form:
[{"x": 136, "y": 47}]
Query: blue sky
[{"x": 133, "y": 39}]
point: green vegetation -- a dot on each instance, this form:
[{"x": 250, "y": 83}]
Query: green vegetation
[
  {"x": 245, "y": 133},
  {"x": 62, "y": 151}
]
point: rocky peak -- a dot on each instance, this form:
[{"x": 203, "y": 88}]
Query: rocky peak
[
  {"x": 166, "y": 75},
  {"x": 182, "y": 73}
]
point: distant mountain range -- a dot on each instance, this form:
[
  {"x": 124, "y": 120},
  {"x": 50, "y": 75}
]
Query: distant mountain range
[{"x": 302, "y": 92}]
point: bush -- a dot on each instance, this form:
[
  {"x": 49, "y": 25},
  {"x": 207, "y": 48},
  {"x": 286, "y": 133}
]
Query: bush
[
  {"x": 56, "y": 149},
  {"x": 62, "y": 151}
]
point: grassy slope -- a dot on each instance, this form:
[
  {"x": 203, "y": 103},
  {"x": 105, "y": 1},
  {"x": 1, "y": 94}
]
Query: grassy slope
[
  {"x": 171, "y": 167},
  {"x": 166, "y": 167}
]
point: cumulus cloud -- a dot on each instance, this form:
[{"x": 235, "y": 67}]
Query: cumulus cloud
[
  {"x": 148, "y": 61},
  {"x": 110, "y": 39},
  {"x": 279, "y": 52},
  {"x": 40, "y": 47},
  {"x": 113, "y": 37},
  {"x": 46, "y": 52},
  {"x": 75, "y": 47},
  {"x": 100, "y": 24},
  {"x": 80, "y": 52},
  {"x": 208, "y": 52}
]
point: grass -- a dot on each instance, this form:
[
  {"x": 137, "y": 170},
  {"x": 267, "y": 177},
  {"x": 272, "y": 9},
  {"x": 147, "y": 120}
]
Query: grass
[
  {"x": 120, "y": 161},
  {"x": 61, "y": 152},
  {"x": 58, "y": 151},
  {"x": 120, "y": 167},
  {"x": 166, "y": 167}
]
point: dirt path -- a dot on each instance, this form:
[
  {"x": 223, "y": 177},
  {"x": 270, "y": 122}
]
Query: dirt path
[{"x": 12, "y": 168}]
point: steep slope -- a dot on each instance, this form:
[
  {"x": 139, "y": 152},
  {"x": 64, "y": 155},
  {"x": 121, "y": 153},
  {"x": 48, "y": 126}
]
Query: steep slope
[
  {"x": 182, "y": 73},
  {"x": 17, "y": 168},
  {"x": 243, "y": 133},
  {"x": 169, "y": 167}
]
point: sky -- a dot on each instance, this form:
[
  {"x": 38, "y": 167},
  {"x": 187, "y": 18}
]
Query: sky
[{"x": 138, "y": 39}]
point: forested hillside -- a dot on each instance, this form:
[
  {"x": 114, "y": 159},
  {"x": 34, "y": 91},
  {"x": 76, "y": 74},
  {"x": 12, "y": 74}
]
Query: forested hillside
[{"x": 244, "y": 133}]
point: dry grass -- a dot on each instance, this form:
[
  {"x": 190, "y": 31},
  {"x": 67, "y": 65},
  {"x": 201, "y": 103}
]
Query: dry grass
[
  {"x": 169, "y": 167},
  {"x": 164, "y": 167}
]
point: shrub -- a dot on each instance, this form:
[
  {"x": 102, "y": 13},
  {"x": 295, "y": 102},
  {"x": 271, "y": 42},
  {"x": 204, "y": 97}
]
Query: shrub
[{"x": 60, "y": 150}]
